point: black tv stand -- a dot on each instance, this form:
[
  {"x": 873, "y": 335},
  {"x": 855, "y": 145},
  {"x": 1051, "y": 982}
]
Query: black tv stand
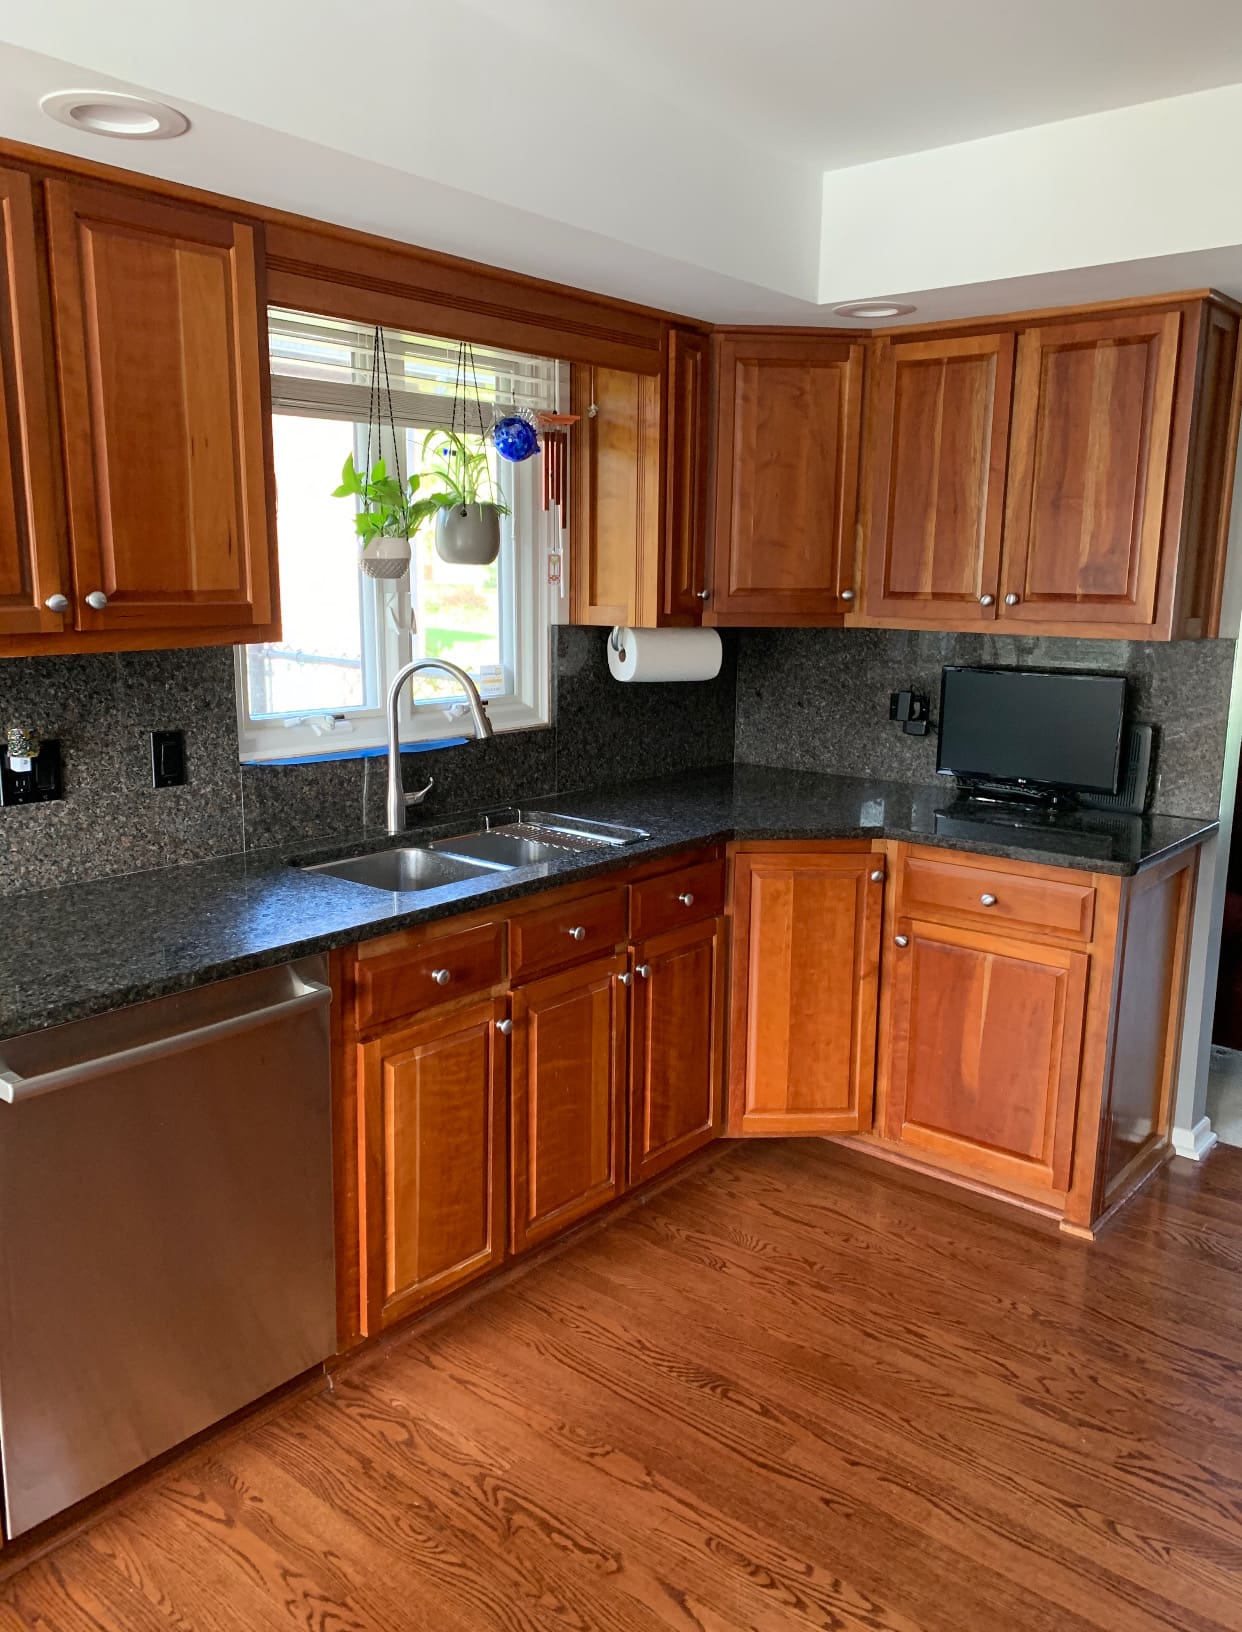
[{"x": 1010, "y": 793}]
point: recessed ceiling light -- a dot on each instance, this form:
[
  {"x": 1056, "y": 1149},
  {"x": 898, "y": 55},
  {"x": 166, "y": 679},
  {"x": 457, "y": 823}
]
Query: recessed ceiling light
[
  {"x": 115, "y": 113},
  {"x": 872, "y": 308}
]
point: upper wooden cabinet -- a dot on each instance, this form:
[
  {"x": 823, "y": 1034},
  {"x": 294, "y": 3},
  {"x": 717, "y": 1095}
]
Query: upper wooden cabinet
[
  {"x": 788, "y": 430},
  {"x": 805, "y": 977},
  {"x": 1115, "y": 465},
  {"x": 33, "y": 567},
  {"x": 683, "y": 565},
  {"x": 161, "y": 348},
  {"x": 938, "y": 438}
]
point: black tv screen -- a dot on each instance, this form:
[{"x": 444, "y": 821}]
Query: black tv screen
[{"x": 1028, "y": 726}]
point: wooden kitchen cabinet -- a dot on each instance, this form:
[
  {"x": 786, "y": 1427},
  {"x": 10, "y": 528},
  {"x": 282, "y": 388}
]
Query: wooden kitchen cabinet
[
  {"x": 568, "y": 1098},
  {"x": 161, "y": 348},
  {"x": 787, "y": 439},
  {"x": 33, "y": 567},
  {"x": 676, "y": 1045},
  {"x": 435, "y": 1096},
  {"x": 683, "y": 567},
  {"x": 934, "y": 477},
  {"x": 986, "y": 1042},
  {"x": 1114, "y": 461},
  {"x": 615, "y": 508},
  {"x": 805, "y": 975}
]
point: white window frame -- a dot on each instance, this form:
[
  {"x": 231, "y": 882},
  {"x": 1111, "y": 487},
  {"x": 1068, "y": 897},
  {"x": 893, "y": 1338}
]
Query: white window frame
[{"x": 527, "y": 613}]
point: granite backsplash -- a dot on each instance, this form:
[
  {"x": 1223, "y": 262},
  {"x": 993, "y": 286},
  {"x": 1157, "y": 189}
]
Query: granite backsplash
[
  {"x": 111, "y": 820},
  {"x": 804, "y": 699},
  {"x": 817, "y": 700}
]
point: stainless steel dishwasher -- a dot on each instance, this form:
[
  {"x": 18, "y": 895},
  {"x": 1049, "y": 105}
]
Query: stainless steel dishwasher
[{"x": 166, "y": 1244}]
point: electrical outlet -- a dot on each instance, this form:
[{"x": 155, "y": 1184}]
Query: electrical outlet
[
  {"x": 40, "y": 783},
  {"x": 167, "y": 759}
]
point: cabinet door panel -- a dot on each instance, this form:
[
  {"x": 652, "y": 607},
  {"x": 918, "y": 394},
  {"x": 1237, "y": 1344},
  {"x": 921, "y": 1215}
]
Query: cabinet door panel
[
  {"x": 806, "y": 960},
  {"x": 616, "y": 512},
  {"x": 1092, "y": 423},
  {"x": 936, "y": 453},
  {"x": 676, "y": 1046},
  {"x": 569, "y": 1037},
  {"x": 683, "y": 574},
  {"x": 32, "y": 562},
  {"x": 788, "y": 437},
  {"x": 987, "y": 1034},
  {"x": 167, "y": 419},
  {"x": 434, "y": 1098}
]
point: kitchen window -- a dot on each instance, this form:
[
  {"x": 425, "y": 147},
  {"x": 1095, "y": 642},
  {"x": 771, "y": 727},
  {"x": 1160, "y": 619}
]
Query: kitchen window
[{"x": 319, "y": 691}]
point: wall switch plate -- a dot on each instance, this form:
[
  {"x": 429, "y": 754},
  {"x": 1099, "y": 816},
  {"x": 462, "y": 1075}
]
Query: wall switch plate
[
  {"x": 167, "y": 759},
  {"x": 909, "y": 709},
  {"x": 40, "y": 783}
]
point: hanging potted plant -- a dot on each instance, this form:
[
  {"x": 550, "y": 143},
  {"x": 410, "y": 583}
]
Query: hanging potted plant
[
  {"x": 388, "y": 514},
  {"x": 467, "y": 510}
]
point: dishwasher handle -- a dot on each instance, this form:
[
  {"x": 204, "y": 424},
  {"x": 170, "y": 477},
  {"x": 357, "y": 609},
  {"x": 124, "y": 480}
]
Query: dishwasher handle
[{"x": 14, "y": 1087}]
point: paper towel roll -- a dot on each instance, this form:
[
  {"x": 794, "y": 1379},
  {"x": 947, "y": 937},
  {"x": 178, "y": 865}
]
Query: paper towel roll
[{"x": 664, "y": 654}]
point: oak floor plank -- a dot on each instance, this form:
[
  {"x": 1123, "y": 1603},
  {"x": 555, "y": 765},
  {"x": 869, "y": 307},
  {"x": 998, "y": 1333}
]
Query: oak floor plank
[{"x": 791, "y": 1391}]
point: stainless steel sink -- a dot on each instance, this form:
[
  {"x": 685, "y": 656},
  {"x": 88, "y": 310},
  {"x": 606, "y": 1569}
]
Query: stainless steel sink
[
  {"x": 406, "y": 869},
  {"x": 523, "y": 838}
]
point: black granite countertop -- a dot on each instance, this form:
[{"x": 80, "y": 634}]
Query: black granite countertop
[{"x": 82, "y": 949}]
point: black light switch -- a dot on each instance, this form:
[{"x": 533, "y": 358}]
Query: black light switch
[{"x": 167, "y": 759}]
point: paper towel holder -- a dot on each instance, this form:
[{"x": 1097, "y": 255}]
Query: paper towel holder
[{"x": 616, "y": 640}]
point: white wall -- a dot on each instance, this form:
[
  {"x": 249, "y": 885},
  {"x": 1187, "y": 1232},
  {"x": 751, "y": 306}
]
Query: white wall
[{"x": 1142, "y": 182}]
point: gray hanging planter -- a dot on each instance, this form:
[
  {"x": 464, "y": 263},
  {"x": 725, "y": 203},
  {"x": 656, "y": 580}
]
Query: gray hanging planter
[
  {"x": 385, "y": 557},
  {"x": 468, "y": 535}
]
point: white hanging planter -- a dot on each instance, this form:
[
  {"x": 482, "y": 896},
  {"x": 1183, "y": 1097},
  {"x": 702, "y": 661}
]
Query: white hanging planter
[
  {"x": 385, "y": 558},
  {"x": 468, "y": 535}
]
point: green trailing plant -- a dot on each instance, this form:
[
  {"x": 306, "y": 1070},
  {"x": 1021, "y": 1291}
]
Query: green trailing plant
[{"x": 390, "y": 510}]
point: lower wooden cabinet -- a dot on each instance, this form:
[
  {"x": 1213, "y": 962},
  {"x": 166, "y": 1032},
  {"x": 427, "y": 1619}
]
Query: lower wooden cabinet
[
  {"x": 805, "y": 978},
  {"x": 434, "y": 1101},
  {"x": 676, "y": 1046},
  {"x": 569, "y": 1053},
  {"x": 986, "y": 1044}
]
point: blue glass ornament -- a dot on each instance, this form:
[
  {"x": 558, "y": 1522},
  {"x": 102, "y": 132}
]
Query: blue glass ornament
[{"x": 515, "y": 438}]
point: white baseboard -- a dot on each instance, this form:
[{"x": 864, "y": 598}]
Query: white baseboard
[{"x": 1194, "y": 1142}]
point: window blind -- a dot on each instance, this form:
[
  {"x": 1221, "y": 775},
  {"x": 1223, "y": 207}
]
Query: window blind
[{"x": 321, "y": 366}]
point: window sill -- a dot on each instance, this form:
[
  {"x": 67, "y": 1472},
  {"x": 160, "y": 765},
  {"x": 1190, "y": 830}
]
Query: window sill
[{"x": 295, "y": 758}]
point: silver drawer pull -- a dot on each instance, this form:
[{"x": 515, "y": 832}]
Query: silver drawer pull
[
  {"x": 902, "y": 940},
  {"x": 686, "y": 898},
  {"x": 577, "y": 933},
  {"x": 625, "y": 979},
  {"x": 57, "y": 603},
  {"x": 1011, "y": 599},
  {"x": 878, "y": 876},
  {"x": 644, "y": 969},
  {"x": 986, "y": 600},
  {"x": 504, "y": 1027},
  {"x": 986, "y": 900},
  {"x": 703, "y": 595},
  {"x": 96, "y": 600},
  {"x": 441, "y": 976},
  {"x": 847, "y": 594}
]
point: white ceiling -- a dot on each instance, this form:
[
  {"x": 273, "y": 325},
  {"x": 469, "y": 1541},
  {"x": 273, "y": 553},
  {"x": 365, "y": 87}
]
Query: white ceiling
[
  {"x": 741, "y": 162},
  {"x": 841, "y": 82}
]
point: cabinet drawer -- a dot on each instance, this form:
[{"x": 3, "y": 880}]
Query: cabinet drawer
[
  {"x": 986, "y": 895},
  {"x": 681, "y": 897},
  {"x": 407, "y": 979},
  {"x": 566, "y": 933}
]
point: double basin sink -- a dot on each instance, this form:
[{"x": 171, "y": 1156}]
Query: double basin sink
[{"x": 506, "y": 840}]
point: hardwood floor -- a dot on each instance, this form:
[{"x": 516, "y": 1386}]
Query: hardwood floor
[{"x": 791, "y": 1391}]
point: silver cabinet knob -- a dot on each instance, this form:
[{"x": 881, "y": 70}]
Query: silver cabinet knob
[
  {"x": 986, "y": 900},
  {"x": 57, "y": 603},
  {"x": 986, "y": 600},
  {"x": 686, "y": 898},
  {"x": 97, "y": 600},
  {"x": 577, "y": 933},
  {"x": 441, "y": 976},
  {"x": 1011, "y": 599},
  {"x": 847, "y": 594},
  {"x": 703, "y": 594},
  {"x": 644, "y": 969},
  {"x": 902, "y": 940},
  {"x": 625, "y": 979},
  {"x": 878, "y": 876},
  {"x": 504, "y": 1027}
]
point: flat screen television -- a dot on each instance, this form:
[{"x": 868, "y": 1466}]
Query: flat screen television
[{"x": 1032, "y": 729}]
